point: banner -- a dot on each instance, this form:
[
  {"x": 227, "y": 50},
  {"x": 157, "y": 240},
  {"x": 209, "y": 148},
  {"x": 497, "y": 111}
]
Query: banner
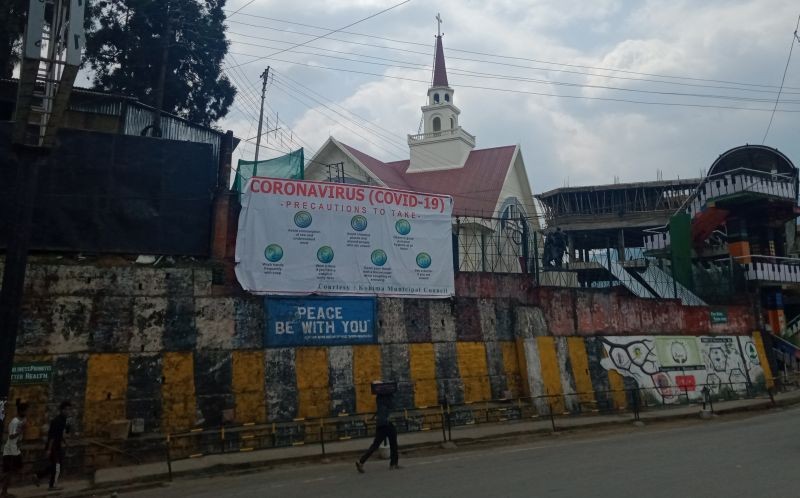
[
  {"x": 317, "y": 321},
  {"x": 299, "y": 237}
]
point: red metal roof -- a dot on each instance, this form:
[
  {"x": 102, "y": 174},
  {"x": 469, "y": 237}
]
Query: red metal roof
[
  {"x": 439, "y": 69},
  {"x": 475, "y": 187}
]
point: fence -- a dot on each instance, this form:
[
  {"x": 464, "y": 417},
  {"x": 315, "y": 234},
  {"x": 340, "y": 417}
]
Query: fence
[
  {"x": 445, "y": 417},
  {"x": 85, "y": 455},
  {"x": 496, "y": 245}
]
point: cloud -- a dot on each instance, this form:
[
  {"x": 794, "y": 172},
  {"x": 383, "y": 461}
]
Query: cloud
[{"x": 562, "y": 139}]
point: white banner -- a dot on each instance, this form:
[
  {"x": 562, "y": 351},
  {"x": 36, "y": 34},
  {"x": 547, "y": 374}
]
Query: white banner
[{"x": 299, "y": 237}]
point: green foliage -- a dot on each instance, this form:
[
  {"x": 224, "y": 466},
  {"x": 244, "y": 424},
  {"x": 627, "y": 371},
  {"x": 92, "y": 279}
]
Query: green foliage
[{"x": 125, "y": 46}]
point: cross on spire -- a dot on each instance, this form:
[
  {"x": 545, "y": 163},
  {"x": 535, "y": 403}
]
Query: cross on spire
[{"x": 438, "y": 24}]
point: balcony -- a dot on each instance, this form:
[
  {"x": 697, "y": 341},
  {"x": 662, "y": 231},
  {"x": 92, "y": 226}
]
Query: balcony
[
  {"x": 771, "y": 269},
  {"x": 457, "y": 132},
  {"x": 742, "y": 181},
  {"x": 700, "y": 206}
]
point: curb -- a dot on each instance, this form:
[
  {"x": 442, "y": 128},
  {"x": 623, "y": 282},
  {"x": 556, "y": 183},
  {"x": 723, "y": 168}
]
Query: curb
[{"x": 158, "y": 480}]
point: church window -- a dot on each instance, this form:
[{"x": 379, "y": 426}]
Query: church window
[
  {"x": 451, "y": 124},
  {"x": 447, "y": 97},
  {"x": 437, "y": 124},
  {"x": 435, "y": 98}
]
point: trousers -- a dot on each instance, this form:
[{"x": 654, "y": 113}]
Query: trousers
[{"x": 382, "y": 433}]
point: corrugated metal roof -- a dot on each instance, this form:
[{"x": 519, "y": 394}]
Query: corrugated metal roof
[
  {"x": 137, "y": 116},
  {"x": 475, "y": 187}
]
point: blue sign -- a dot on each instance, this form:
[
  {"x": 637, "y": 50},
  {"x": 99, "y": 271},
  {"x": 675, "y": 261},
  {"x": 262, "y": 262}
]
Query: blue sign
[{"x": 319, "y": 321}]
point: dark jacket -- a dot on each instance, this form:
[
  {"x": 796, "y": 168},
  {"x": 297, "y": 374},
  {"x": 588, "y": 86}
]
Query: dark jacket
[
  {"x": 384, "y": 402},
  {"x": 55, "y": 436}
]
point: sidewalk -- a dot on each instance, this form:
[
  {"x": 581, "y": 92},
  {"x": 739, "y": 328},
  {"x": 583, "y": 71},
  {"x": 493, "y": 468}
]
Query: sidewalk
[{"x": 105, "y": 480}]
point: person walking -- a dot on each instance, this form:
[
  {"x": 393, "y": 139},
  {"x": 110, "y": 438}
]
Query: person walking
[
  {"x": 54, "y": 449},
  {"x": 12, "y": 454},
  {"x": 384, "y": 429}
]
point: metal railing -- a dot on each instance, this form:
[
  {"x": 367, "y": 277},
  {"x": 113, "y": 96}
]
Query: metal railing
[
  {"x": 442, "y": 133},
  {"x": 446, "y": 417},
  {"x": 726, "y": 184},
  {"x": 87, "y": 455},
  {"x": 495, "y": 245}
]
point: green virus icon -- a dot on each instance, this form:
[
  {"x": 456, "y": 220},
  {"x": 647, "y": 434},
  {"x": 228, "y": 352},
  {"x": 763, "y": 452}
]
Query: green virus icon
[
  {"x": 302, "y": 219},
  {"x": 403, "y": 227},
  {"x": 325, "y": 254},
  {"x": 423, "y": 260},
  {"x": 273, "y": 253},
  {"x": 358, "y": 222},
  {"x": 378, "y": 257}
]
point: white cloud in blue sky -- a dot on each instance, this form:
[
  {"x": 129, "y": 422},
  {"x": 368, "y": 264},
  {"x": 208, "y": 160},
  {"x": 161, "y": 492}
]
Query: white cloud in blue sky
[{"x": 563, "y": 140}]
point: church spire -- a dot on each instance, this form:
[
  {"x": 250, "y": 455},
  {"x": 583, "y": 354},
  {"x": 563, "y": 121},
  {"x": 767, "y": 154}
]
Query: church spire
[{"x": 439, "y": 69}]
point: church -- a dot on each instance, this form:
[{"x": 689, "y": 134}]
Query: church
[{"x": 492, "y": 199}]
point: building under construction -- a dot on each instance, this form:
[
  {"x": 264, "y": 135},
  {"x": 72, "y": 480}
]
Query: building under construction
[{"x": 729, "y": 237}]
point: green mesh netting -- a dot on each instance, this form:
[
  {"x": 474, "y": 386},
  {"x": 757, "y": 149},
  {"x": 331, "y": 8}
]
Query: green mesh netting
[{"x": 289, "y": 166}]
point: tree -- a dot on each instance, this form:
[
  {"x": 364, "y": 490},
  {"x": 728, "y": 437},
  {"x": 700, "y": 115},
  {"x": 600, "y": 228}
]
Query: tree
[
  {"x": 125, "y": 47},
  {"x": 12, "y": 25}
]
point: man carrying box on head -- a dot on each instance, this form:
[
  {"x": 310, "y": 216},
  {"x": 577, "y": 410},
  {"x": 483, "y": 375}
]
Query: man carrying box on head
[{"x": 383, "y": 427}]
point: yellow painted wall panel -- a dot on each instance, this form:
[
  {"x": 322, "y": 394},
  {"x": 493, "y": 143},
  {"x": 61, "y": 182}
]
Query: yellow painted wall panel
[
  {"x": 179, "y": 406},
  {"x": 366, "y": 368},
  {"x": 423, "y": 373},
  {"x": 551, "y": 375},
  {"x": 762, "y": 358},
  {"x": 248, "y": 386},
  {"x": 511, "y": 368},
  {"x": 474, "y": 372},
  {"x": 617, "y": 389},
  {"x": 314, "y": 398},
  {"x": 580, "y": 369},
  {"x": 106, "y": 391}
]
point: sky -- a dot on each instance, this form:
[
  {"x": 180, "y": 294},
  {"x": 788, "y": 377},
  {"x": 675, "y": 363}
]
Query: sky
[{"x": 554, "y": 76}]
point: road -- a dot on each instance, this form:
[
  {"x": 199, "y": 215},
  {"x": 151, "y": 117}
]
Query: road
[{"x": 745, "y": 457}]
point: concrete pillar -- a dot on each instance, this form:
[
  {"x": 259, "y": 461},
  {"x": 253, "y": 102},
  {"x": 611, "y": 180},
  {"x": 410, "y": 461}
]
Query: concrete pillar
[
  {"x": 772, "y": 301},
  {"x": 621, "y": 245},
  {"x": 222, "y": 201},
  {"x": 738, "y": 241},
  {"x": 571, "y": 248}
]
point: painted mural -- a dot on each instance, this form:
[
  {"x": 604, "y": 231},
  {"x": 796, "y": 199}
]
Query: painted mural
[{"x": 672, "y": 368}]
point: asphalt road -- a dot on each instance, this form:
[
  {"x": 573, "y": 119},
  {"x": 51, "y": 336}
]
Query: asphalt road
[{"x": 757, "y": 456}]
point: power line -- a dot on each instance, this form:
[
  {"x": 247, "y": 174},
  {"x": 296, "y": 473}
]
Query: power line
[
  {"x": 291, "y": 136},
  {"x": 452, "y": 57},
  {"x": 543, "y": 94},
  {"x": 484, "y": 75},
  {"x": 546, "y": 69},
  {"x": 385, "y": 135},
  {"x": 239, "y": 9},
  {"x": 788, "y": 59},
  {"x": 329, "y": 33},
  {"x": 494, "y": 55}
]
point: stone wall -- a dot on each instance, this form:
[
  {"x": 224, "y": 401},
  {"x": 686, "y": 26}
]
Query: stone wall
[{"x": 181, "y": 346}]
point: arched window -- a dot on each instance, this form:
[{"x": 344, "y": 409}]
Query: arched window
[
  {"x": 435, "y": 98},
  {"x": 452, "y": 124},
  {"x": 437, "y": 124},
  {"x": 447, "y": 97}
]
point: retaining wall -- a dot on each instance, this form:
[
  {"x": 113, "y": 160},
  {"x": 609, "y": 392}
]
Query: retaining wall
[{"x": 183, "y": 346}]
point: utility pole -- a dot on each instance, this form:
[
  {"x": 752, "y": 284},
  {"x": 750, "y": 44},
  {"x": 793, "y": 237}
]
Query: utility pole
[
  {"x": 264, "y": 77},
  {"x": 45, "y": 85},
  {"x": 162, "y": 74}
]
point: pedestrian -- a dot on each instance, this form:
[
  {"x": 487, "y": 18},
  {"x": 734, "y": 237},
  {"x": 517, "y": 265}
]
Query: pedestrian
[
  {"x": 12, "y": 455},
  {"x": 384, "y": 429},
  {"x": 54, "y": 449}
]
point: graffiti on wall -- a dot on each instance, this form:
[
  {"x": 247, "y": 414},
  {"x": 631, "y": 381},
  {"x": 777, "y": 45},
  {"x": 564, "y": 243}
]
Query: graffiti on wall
[{"x": 672, "y": 368}]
